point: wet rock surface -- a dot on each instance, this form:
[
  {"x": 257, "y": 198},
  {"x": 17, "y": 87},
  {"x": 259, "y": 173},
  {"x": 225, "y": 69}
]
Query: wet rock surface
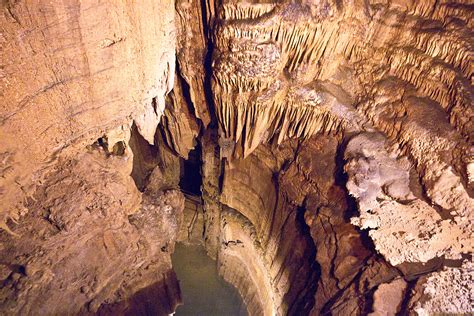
[{"x": 332, "y": 139}]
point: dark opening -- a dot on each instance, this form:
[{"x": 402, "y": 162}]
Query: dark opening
[
  {"x": 119, "y": 148},
  {"x": 145, "y": 158},
  {"x": 190, "y": 179}
]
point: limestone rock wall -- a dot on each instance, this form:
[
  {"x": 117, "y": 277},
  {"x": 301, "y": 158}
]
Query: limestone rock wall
[
  {"x": 336, "y": 147},
  {"x": 83, "y": 86},
  {"x": 91, "y": 239},
  {"x": 389, "y": 81},
  {"x": 179, "y": 125},
  {"x": 72, "y": 71},
  {"x": 266, "y": 233},
  {"x": 193, "y": 55}
]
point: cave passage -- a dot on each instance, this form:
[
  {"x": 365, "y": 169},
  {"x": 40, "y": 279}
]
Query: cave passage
[
  {"x": 190, "y": 176},
  {"x": 204, "y": 292}
]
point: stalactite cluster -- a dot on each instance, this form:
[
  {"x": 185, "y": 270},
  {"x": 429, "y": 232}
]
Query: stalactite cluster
[{"x": 331, "y": 143}]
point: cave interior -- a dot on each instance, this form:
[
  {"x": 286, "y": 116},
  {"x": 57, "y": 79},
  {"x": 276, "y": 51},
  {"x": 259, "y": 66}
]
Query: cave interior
[{"x": 227, "y": 157}]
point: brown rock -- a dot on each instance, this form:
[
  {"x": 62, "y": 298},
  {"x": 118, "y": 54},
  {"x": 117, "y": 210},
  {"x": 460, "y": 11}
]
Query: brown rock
[{"x": 335, "y": 139}]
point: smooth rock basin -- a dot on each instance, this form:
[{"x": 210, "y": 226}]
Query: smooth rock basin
[{"x": 204, "y": 292}]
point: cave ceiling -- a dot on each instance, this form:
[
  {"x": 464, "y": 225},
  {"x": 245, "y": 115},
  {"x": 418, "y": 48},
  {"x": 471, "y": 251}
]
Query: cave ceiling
[{"x": 332, "y": 139}]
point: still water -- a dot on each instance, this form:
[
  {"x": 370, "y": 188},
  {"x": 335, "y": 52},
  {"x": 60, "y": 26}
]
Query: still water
[{"x": 204, "y": 292}]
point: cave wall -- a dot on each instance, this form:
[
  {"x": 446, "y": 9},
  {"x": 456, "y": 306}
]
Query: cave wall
[
  {"x": 83, "y": 90},
  {"x": 336, "y": 147},
  {"x": 379, "y": 98},
  {"x": 71, "y": 72},
  {"x": 91, "y": 239}
]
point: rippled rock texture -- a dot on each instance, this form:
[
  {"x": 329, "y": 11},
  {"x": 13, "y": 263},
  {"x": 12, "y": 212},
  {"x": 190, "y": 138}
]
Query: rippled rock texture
[
  {"x": 334, "y": 140},
  {"x": 90, "y": 239}
]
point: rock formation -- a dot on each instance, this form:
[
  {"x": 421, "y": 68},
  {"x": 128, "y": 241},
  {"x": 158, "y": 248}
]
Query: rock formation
[{"x": 333, "y": 140}]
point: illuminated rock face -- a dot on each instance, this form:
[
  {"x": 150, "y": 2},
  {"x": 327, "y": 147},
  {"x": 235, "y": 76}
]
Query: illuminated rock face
[
  {"x": 391, "y": 79},
  {"x": 291, "y": 70},
  {"x": 334, "y": 140},
  {"x": 71, "y": 73}
]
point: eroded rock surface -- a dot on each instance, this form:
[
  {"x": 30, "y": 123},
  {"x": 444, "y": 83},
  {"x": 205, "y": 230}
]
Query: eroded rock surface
[
  {"x": 71, "y": 72},
  {"x": 404, "y": 227},
  {"x": 335, "y": 141},
  {"x": 90, "y": 238}
]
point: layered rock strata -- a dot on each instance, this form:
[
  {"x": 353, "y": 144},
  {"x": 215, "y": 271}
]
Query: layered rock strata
[
  {"x": 335, "y": 140},
  {"x": 398, "y": 73},
  {"x": 65, "y": 83}
]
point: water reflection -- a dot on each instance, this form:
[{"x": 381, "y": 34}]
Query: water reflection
[{"x": 204, "y": 292}]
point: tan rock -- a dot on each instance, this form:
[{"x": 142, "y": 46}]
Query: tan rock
[
  {"x": 388, "y": 298},
  {"x": 449, "y": 291},
  {"x": 65, "y": 83},
  {"x": 335, "y": 139}
]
